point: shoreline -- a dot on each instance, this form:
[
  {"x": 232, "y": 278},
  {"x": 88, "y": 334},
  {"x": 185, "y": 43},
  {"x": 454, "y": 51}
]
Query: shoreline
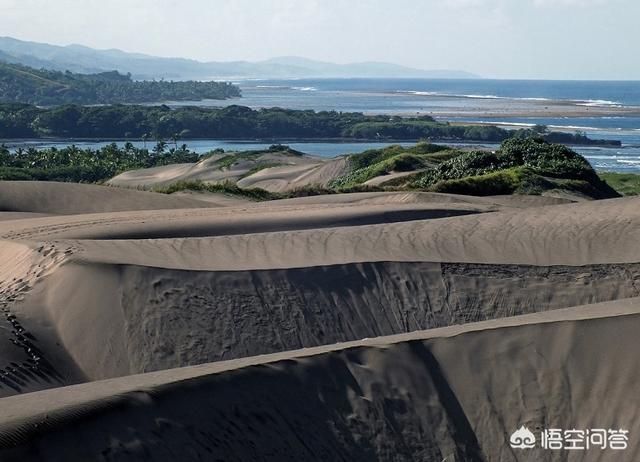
[
  {"x": 563, "y": 112},
  {"x": 36, "y": 141}
]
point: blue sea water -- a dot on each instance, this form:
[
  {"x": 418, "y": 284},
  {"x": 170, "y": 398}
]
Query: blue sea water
[
  {"x": 602, "y": 109},
  {"x": 418, "y": 95}
]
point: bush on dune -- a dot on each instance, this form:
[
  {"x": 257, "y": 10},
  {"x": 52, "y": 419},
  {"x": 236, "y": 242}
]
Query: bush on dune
[
  {"x": 376, "y": 162},
  {"x": 520, "y": 180},
  {"x": 549, "y": 159},
  {"x": 524, "y": 166},
  {"x": 226, "y": 187}
]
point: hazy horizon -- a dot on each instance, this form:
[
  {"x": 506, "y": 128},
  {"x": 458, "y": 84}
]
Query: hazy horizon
[{"x": 517, "y": 39}]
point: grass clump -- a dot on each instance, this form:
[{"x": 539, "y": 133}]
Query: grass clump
[
  {"x": 520, "y": 180},
  {"x": 627, "y": 184},
  {"x": 229, "y": 160},
  {"x": 256, "y": 194},
  {"x": 376, "y": 162}
]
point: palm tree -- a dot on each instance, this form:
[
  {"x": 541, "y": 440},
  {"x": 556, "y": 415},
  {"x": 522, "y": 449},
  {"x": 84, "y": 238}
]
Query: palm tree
[
  {"x": 145, "y": 137},
  {"x": 160, "y": 147}
]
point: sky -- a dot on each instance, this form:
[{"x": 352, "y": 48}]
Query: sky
[{"x": 548, "y": 39}]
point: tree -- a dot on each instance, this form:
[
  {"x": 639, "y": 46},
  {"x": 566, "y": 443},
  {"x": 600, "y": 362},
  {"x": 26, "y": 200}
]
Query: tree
[
  {"x": 160, "y": 147},
  {"x": 540, "y": 129},
  {"x": 175, "y": 137}
]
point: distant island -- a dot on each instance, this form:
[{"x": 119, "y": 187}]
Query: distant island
[
  {"x": 85, "y": 60},
  {"x": 22, "y": 84},
  {"x": 239, "y": 122}
]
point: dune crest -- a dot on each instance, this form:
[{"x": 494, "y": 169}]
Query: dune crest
[
  {"x": 390, "y": 323},
  {"x": 352, "y": 401}
]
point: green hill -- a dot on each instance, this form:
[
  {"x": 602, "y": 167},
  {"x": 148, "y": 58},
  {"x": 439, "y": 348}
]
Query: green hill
[{"x": 22, "y": 84}]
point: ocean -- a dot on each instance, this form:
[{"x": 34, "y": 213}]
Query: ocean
[{"x": 602, "y": 109}]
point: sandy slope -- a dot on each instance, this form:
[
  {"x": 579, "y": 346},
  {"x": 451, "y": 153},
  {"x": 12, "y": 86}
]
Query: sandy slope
[
  {"x": 96, "y": 295},
  {"x": 241, "y": 239},
  {"x": 450, "y": 394},
  {"x": 285, "y": 172},
  {"x": 70, "y": 198}
]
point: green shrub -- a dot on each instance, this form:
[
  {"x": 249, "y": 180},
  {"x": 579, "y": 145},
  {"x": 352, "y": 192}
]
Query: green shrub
[
  {"x": 523, "y": 166},
  {"x": 472, "y": 163},
  {"x": 496, "y": 183},
  {"x": 257, "y": 194},
  {"x": 554, "y": 160},
  {"x": 12, "y": 173},
  {"x": 395, "y": 158}
]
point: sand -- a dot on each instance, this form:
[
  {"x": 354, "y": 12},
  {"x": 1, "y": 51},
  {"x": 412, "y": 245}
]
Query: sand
[
  {"x": 69, "y": 198},
  {"x": 365, "y": 326},
  {"x": 448, "y": 394},
  {"x": 284, "y": 172}
]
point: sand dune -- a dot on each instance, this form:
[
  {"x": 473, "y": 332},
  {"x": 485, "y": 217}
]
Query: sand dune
[
  {"x": 448, "y": 394},
  {"x": 572, "y": 234},
  {"x": 4, "y": 216},
  {"x": 70, "y": 198},
  {"x": 251, "y": 219},
  {"x": 273, "y": 171},
  {"x": 108, "y": 291},
  {"x": 145, "y": 318}
]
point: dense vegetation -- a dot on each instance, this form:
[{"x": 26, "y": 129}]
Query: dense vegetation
[
  {"x": 23, "y": 84},
  {"x": 528, "y": 166},
  {"x": 377, "y": 162},
  {"x": 520, "y": 166},
  {"x": 94, "y": 166},
  {"x": 627, "y": 184},
  {"x": 86, "y": 165},
  {"x": 238, "y": 122}
]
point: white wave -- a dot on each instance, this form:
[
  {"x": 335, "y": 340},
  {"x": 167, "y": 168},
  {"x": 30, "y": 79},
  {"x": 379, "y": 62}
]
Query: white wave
[
  {"x": 470, "y": 96},
  {"x": 422, "y": 93},
  {"x": 304, "y": 88},
  {"x": 585, "y": 102},
  {"x": 611, "y": 157},
  {"x": 534, "y": 99},
  {"x": 507, "y": 124},
  {"x": 484, "y": 97},
  {"x": 451, "y": 95},
  {"x": 598, "y": 103},
  {"x": 586, "y": 128},
  {"x": 574, "y": 127}
]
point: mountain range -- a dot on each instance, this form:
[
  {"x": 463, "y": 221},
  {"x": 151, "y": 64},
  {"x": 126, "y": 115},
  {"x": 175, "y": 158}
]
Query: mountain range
[{"x": 82, "y": 59}]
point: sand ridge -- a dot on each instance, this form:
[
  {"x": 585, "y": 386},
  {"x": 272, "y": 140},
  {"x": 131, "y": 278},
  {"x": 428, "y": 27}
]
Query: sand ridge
[
  {"x": 70, "y": 198},
  {"x": 389, "y": 322},
  {"x": 275, "y": 171},
  {"x": 424, "y": 370}
]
